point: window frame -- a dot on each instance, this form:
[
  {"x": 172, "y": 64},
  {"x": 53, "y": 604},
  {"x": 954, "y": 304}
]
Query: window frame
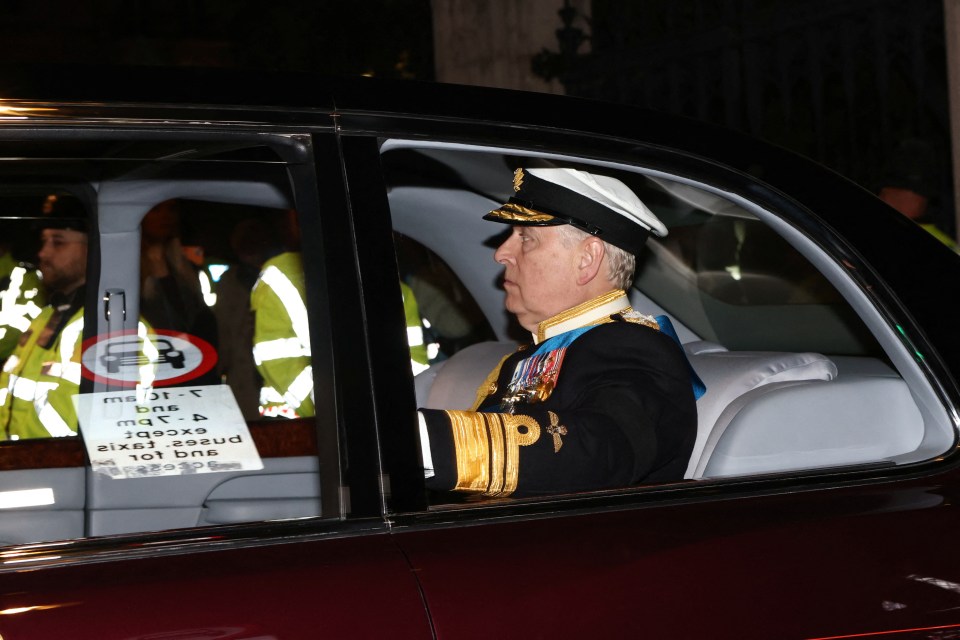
[
  {"x": 315, "y": 173},
  {"x": 790, "y": 218}
]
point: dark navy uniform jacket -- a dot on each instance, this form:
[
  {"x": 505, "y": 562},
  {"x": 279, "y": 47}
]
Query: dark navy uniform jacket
[{"x": 617, "y": 411}]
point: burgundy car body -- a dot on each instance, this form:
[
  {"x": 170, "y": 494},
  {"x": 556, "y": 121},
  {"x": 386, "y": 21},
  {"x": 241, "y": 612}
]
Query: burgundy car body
[{"x": 848, "y": 551}]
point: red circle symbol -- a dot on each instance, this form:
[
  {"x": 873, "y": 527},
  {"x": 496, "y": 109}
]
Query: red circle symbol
[{"x": 163, "y": 358}]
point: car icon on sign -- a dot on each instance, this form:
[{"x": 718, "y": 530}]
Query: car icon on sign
[{"x": 129, "y": 353}]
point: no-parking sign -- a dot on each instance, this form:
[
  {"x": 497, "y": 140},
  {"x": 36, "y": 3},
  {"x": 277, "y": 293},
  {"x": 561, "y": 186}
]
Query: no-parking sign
[{"x": 159, "y": 358}]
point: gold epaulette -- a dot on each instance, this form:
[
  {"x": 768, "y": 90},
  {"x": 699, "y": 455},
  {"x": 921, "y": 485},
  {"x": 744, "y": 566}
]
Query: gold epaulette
[{"x": 636, "y": 317}]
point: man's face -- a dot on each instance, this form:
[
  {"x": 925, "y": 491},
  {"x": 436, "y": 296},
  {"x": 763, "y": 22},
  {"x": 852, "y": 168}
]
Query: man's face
[
  {"x": 540, "y": 274},
  {"x": 63, "y": 259}
]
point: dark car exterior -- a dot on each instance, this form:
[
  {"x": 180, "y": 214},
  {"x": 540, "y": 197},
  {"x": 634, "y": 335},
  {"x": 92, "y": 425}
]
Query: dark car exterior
[{"x": 861, "y": 548}]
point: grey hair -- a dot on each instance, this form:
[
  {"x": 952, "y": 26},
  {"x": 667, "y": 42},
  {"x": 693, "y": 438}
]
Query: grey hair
[{"x": 620, "y": 264}]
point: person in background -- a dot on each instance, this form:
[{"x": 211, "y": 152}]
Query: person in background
[
  {"x": 281, "y": 333},
  {"x": 416, "y": 337},
  {"x": 252, "y": 241},
  {"x": 171, "y": 296},
  {"x": 43, "y": 372},
  {"x": 21, "y": 298},
  {"x": 908, "y": 186}
]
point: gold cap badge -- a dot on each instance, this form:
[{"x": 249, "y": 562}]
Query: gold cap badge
[{"x": 517, "y": 179}]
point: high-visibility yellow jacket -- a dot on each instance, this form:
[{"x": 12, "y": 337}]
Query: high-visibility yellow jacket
[
  {"x": 21, "y": 300},
  {"x": 281, "y": 338},
  {"x": 419, "y": 359},
  {"x": 37, "y": 384},
  {"x": 935, "y": 231}
]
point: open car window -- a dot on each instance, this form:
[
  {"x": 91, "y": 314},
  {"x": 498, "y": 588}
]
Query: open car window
[
  {"x": 158, "y": 370},
  {"x": 804, "y": 370}
]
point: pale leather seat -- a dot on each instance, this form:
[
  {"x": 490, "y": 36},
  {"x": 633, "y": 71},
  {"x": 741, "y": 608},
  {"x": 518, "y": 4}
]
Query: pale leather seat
[
  {"x": 453, "y": 383},
  {"x": 763, "y": 412},
  {"x": 729, "y": 375}
]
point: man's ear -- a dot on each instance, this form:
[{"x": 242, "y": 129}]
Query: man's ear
[{"x": 591, "y": 257}]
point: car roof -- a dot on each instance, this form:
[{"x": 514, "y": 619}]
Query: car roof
[{"x": 862, "y": 225}]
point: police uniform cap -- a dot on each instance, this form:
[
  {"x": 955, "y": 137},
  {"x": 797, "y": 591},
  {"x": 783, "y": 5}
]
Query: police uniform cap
[
  {"x": 600, "y": 205},
  {"x": 62, "y": 212}
]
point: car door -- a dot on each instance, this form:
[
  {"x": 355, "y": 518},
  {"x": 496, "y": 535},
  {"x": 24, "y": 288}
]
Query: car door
[
  {"x": 166, "y": 524},
  {"x": 820, "y": 501}
]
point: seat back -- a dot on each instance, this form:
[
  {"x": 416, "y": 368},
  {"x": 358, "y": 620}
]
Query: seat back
[
  {"x": 855, "y": 419},
  {"x": 454, "y": 385},
  {"x": 729, "y": 375}
]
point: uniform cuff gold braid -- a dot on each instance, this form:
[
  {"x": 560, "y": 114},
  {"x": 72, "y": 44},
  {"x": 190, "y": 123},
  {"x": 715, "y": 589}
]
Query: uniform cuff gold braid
[{"x": 488, "y": 449}]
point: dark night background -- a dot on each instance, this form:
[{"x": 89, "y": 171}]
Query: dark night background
[{"x": 846, "y": 82}]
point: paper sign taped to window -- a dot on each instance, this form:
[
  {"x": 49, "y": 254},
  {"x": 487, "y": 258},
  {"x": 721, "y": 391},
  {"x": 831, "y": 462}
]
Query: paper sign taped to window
[{"x": 168, "y": 431}]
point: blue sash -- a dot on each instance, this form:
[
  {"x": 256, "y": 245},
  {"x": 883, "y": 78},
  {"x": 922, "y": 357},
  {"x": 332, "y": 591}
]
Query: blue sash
[{"x": 666, "y": 327}]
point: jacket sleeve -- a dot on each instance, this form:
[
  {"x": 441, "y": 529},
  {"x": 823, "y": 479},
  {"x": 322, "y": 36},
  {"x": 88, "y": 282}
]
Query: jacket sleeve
[{"x": 622, "y": 412}]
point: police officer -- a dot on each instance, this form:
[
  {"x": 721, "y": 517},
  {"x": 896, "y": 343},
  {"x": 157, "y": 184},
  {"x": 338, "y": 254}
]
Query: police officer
[
  {"x": 281, "y": 334},
  {"x": 281, "y": 338},
  {"x": 43, "y": 372},
  {"x": 416, "y": 337},
  {"x": 602, "y": 397}
]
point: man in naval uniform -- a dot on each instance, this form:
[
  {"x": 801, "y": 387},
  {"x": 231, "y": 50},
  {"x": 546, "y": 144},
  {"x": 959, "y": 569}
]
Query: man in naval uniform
[{"x": 602, "y": 398}]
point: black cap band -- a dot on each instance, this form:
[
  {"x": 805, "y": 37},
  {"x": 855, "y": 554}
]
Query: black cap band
[{"x": 542, "y": 203}]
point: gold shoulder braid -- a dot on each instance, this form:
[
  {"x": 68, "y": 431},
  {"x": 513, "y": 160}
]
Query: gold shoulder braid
[
  {"x": 488, "y": 449},
  {"x": 638, "y": 318}
]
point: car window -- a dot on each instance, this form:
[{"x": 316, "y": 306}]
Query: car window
[
  {"x": 802, "y": 370},
  {"x": 450, "y": 317},
  {"x": 156, "y": 338}
]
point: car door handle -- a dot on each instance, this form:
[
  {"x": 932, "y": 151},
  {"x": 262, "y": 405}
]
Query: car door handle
[{"x": 114, "y": 309}]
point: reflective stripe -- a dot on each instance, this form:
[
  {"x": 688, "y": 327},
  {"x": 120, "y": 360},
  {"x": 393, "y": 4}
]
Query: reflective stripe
[
  {"x": 69, "y": 338},
  {"x": 292, "y": 302},
  {"x": 300, "y": 388},
  {"x": 414, "y": 336},
  {"x": 207, "y": 289},
  {"x": 3, "y": 396},
  {"x": 20, "y": 323},
  {"x": 11, "y": 363},
  {"x": 23, "y": 388},
  {"x": 298, "y": 392},
  {"x": 269, "y": 395},
  {"x": 55, "y": 425},
  {"x": 72, "y": 372},
  {"x": 12, "y": 313},
  {"x": 148, "y": 370},
  {"x": 417, "y": 367},
  {"x": 279, "y": 348},
  {"x": 16, "y": 281}
]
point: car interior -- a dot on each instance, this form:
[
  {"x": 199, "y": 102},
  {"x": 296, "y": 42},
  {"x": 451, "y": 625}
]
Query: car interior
[
  {"x": 217, "y": 188},
  {"x": 802, "y": 370}
]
